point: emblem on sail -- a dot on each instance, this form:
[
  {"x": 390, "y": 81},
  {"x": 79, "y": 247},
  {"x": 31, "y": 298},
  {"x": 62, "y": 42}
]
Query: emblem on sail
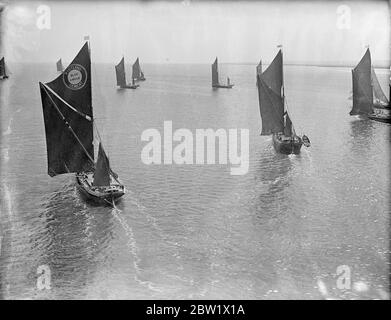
[{"x": 75, "y": 77}]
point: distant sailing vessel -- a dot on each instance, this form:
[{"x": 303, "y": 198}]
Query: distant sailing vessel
[
  {"x": 215, "y": 77},
  {"x": 368, "y": 97},
  {"x": 275, "y": 119},
  {"x": 259, "y": 69},
  {"x": 3, "y": 71},
  {"x": 60, "y": 67},
  {"x": 121, "y": 76},
  {"x": 69, "y": 123},
  {"x": 137, "y": 74}
]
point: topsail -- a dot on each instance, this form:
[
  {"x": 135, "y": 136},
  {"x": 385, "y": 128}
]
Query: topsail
[
  {"x": 362, "y": 86},
  {"x": 67, "y": 110}
]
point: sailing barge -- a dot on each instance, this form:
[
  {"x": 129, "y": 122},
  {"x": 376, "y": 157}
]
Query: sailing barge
[
  {"x": 275, "y": 118},
  {"x": 69, "y": 129},
  {"x": 369, "y": 99},
  {"x": 215, "y": 77},
  {"x": 137, "y": 74},
  {"x": 3, "y": 71},
  {"x": 121, "y": 76}
]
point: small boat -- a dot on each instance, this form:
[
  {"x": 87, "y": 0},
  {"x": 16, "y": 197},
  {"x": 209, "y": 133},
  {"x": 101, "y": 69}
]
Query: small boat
[
  {"x": 121, "y": 76},
  {"x": 69, "y": 129},
  {"x": 3, "y": 71},
  {"x": 137, "y": 74},
  {"x": 59, "y": 65},
  {"x": 367, "y": 92},
  {"x": 275, "y": 118},
  {"x": 215, "y": 77},
  {"x": 381, "y": 115}
]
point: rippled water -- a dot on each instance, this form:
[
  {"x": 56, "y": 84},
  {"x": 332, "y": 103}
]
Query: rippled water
[{"x": 195, "y": 231}]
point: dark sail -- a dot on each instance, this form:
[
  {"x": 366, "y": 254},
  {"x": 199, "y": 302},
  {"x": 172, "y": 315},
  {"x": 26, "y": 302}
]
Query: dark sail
[
  {"x": 259, "y": 67},
  {"x": 377, "y": 90},
  {"x": 288, "y": 126},
  {"x": 60, "y": 68},
  {"x": 102, "y": 169},
  {"x": 136, "y": 70},
  {"x": 2, "y": 68},
  {"x": 120, "y": 73},
  {"x": 271, "y": 106},
  {"x": 67, "y": 111},
  {"x": 215, "y": 73},
  {"x": 362, "y": 86},
  {"x": 273, "y": 75},
  {"x": 271, "y": 100}
]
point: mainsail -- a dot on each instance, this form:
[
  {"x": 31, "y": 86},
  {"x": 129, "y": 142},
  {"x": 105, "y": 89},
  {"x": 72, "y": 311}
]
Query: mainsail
[
  {"x": 271, "y": 99},
  {"x": 377, "y": 90},
  {"x": 3, "y": 72},
  {"x": 67, "y": 111},
  {"x": 102, "y": 169},
  {"x": 120, "y": 73},
  {"x": 60, "y": 67},
  {"x": 362, "y": 86},
  {"x": 137, "y": 74},
  {"x": 215, "y": 73}
]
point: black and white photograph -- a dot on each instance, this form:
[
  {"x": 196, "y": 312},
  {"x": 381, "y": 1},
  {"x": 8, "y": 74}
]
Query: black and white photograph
[{"x": 195, "y": 150}]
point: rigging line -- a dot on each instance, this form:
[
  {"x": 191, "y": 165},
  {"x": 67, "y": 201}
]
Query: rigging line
[
  {"x": 69, "y": 126},
  {"x": 87, "y": 117}
]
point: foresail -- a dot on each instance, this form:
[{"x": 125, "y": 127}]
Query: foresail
[
  {"x": 377, "y": 90},
  {"x": 102, "y": 169},
  {"x": 259, "y": 68},
  {"x": 120, "y": 73},
  {"x": 67, "y": 110},
  {"x": 215, "y": 73},
  {"x": 362, "y": 86},
  {"x": 271, "y": 106},
  {"x": 288, "y": 126}
]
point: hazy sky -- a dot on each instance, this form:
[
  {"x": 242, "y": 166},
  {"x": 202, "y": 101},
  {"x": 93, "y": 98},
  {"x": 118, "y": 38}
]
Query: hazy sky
[{"x": 195, "y": 32}]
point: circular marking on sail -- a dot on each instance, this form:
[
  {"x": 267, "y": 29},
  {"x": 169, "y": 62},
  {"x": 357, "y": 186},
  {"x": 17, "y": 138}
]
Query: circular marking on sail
[{"x": 75, "y": 77}]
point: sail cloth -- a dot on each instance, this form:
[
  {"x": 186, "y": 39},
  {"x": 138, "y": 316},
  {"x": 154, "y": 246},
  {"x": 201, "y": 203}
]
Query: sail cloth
[
  {"x": 60, "y": 67},
  {"x": 67, "y": 111},
  {"x": 259, "y": 67},
  {"x": 2, "y": 68},
  {"x": 288, "y": 126},
  {"x": 102, "y": 169},
  {"x": 120, "y": 73},
  {"x": 215, "y": 73},
  {"x": 377, "y": 90},
  {"x": 136, "y": 70},
  {"x": 362, "y": 86},
  {"x": 271, "y": 106},
  {"x": 273, "y": 75},
  {"x": 271, "y": 100}
]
